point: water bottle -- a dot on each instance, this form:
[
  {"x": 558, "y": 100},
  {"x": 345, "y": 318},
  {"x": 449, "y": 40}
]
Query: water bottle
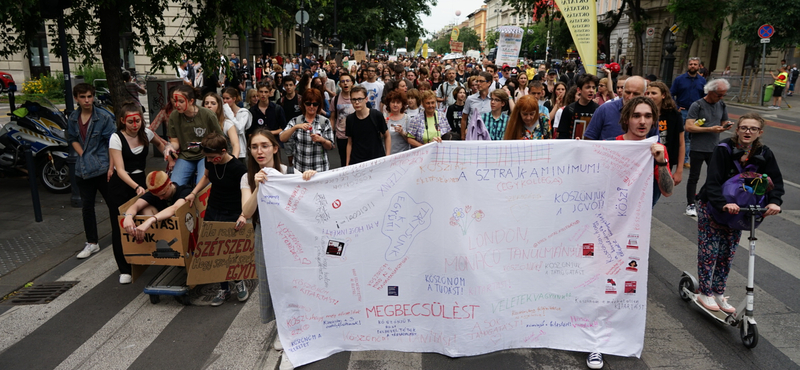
[{"x": 760, "y": 187}]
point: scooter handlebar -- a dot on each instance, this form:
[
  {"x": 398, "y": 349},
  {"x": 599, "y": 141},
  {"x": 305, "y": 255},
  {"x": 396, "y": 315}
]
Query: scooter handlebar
[{"x": 754, "y": 208}]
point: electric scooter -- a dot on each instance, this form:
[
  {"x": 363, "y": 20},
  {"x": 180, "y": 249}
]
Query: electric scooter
[{"x": 688, "y": 288}]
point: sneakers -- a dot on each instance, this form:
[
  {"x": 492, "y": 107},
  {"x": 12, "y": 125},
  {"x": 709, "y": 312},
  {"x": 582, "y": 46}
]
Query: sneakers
[
  {"x": 285, "y": 363},
  {"x": 125, "y": 278},
  {"x": 222, "y": 296},
  {"x": 707, "y": 302},
  {"x": 691, "y": 210},
  {"x": 88, "y": 250},
  {"x": 687, "y": 165},
  {"x": 242, "y": 292},
  {"x": 723, "y": 304},
  {"x": 595, "y": 360},
  {"x": 774, "y": 107},
  {"x": 277, "y": 343}
]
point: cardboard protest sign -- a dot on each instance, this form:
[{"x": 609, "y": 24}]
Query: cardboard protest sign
[
  {"x": 222, "y": 254},
  {"x": 360, "y": 55},
  {"x": 464, "y": 248}
]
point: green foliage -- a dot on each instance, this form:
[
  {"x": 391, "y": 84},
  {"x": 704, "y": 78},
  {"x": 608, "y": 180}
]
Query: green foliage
[
  {"x": 466, "y": 35},
  {"x": 91, "y": 73},
  {"x": 701, "y": 17},
  {"x": 371, "y": 21},
  {"x": 47, "y": 86},
  {"x": 749, "y": 16}
]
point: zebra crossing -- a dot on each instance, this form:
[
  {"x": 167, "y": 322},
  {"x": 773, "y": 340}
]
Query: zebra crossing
[{"x": 99, "y": 324}]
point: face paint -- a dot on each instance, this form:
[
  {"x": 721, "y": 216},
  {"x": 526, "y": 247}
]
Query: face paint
[
  {"x": 133, "y": 120},
  {"x": 181, "y": 103}
]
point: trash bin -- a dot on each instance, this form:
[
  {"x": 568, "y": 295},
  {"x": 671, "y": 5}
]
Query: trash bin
[{"x": 768, "y": 92}]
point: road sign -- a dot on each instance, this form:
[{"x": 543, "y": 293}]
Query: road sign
[
  {"x": 674, "y": 29},
  {"x": 651, "y": 32},
  {"x": 765, "y": 41},
  {"x": 766, "y": 31},
  {"x": 301, "y": 17}
]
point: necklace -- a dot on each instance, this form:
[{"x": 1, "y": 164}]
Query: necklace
[
  {"x": 225, "y": 167},
  {"x": 187, "y": 117}
]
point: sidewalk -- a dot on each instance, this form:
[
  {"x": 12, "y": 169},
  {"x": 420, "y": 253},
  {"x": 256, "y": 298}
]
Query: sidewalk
[{"x": 28, "y": 248}]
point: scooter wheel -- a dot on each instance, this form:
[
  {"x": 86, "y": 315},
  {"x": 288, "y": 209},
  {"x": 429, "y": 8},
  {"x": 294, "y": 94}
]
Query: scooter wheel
[
  {"x": 749, "y": 335},
  {"x": 154, "y": 299},
  {"x": 686, "y": 282}
]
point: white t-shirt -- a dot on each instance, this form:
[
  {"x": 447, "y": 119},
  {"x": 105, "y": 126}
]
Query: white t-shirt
[
  {"x": 116, "y": 143},
  {"x": 374, "y": 92}
]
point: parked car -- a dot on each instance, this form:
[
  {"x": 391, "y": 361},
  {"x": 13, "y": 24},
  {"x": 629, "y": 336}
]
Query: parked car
[{"x": 5, "y": 81}]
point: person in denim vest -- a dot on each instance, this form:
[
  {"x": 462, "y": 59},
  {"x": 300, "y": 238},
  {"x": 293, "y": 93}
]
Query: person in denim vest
[{"x": 88, "y": 131}]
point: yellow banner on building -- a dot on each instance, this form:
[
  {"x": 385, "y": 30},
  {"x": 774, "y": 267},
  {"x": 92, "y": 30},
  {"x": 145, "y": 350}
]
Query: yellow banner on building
[{"x": 581, "y": 18}]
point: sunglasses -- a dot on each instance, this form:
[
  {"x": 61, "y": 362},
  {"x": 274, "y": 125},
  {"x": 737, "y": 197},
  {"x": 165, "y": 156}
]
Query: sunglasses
[
  {"x": 311, "y": 104},
  {"x": 209, "y": 149}
]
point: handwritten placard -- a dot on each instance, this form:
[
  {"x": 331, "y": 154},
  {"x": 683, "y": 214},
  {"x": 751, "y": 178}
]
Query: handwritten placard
[
  {"x": 464, "y": 248},
  {"x": 222, "y": 253}
]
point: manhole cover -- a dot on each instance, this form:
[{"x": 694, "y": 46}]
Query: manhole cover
[{"x": 43, "y": 293}]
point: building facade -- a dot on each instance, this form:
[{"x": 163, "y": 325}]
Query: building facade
[{"x": 41, "y": 59}]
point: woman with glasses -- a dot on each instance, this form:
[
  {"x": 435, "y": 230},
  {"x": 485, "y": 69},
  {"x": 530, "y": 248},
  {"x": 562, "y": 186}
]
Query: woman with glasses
[
  {"x": 717, "y": 243},
  {"x": 310, "y": 134},
  {"x": 428, "y": 126},
  {"x": 605, "y": 92},
  {"x": 264, "y": 155},
  {"x": 496, "y": 120}
]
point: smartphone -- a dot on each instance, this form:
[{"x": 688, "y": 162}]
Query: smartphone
[{"x": 728, "y": 124}]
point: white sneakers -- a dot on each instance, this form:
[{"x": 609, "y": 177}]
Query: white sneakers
[
  {"x": 88, "y": 250},
  {"x": 277, "y": 343},
  {"x": 708, "y": 302},
  {"x": 723, "y": 304},
  {"x": 691, "y": 210},
  {"x": 125, "y": 278}
]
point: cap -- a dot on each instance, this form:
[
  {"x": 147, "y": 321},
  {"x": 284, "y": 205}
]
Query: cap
[
  {"x": 506, "y": 66},
  {"x": 469, "y": 65},
  {"x": 157, "y": 181},
  {"x": 552, "y": 72}
]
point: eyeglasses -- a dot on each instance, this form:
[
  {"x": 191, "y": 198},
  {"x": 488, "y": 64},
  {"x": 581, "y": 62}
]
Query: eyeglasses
[
  {"x": 311, "y": 104},
  {"x": 371, "y": 71},
  {"x": 480, "y": 81},
  {"x": 357, "y": 100},
  {"x": 497, "y": 100},
  {"x": 749, "y": 129}
]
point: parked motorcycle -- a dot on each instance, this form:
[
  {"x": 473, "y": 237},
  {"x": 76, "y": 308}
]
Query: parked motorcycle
[{"x": 42, "y": 125}]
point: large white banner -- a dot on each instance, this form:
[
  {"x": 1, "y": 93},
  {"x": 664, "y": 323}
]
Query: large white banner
[
  {"x": 509, "y": 43},
  {"x": 464, "y": 248}
]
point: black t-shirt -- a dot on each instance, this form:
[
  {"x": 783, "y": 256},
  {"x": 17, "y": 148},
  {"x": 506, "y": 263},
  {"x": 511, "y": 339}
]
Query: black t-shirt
[
  {"x": 454, "y": 117},
  {"x": 225, "y": 181},
  {"x": 180, "y": 192},
  {"x": 273, "y": 119},
  {"x": 366, "y": 135},
  {"x": 575, "y": 112},
  {"x": 291, "y": 107}
]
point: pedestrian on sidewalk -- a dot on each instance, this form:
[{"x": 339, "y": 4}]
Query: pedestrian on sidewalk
[
  {"x": 780, "y": 84},
  {"x": 88, "y": 131},
  {"x": 128, "y": 149},
  {"x": 223, "y": 201},
  {"x": 707, "y": 118},
  {"x": 793, "y": 74},
  {"x": 687, "y": 89}
]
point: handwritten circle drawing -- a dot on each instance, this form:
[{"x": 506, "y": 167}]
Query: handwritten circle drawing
[{"x": 336, "y": 203}]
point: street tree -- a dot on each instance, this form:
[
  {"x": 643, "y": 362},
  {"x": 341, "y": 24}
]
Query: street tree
[
  {"x": 700, "y": 18},
  {"x": 98, "y": 25},
  {"x": 373, "y": 22},
  {"x": 749, "y": 16}
]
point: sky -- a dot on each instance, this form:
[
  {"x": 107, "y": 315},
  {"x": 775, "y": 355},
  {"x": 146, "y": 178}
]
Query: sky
[{"x": 444, "y": 13}]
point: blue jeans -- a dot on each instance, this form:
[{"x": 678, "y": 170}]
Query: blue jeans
[
  {"x": 687, "y": 137},
  {"x": 184, "y": 170}
]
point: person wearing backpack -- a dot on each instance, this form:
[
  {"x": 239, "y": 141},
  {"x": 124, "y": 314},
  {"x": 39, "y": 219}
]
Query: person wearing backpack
[
  {"x": 717, "y": 243},
  {"x": 479, "y": 101},
  {"x": 793, "y": 74},
  {"x": 444, "y": 93}
]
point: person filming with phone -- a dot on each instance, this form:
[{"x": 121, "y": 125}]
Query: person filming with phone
[{"x": 707, "y": 118}]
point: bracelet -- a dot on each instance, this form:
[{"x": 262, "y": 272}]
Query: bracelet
[
  {"x": 154, "y": 216},
  {"x": 661, "y": 163},
  {"x": 137, "y": 187}
]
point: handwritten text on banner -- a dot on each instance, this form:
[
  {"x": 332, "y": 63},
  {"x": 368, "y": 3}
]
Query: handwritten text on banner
[{"x": 464, "y": 248}]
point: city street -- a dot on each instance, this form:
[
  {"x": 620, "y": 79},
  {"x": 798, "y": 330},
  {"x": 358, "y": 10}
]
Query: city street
[{"x": 100, "y": 324}]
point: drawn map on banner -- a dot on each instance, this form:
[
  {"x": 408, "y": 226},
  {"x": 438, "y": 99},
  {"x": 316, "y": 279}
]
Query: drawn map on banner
[{"x": 464, "y": 248}]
